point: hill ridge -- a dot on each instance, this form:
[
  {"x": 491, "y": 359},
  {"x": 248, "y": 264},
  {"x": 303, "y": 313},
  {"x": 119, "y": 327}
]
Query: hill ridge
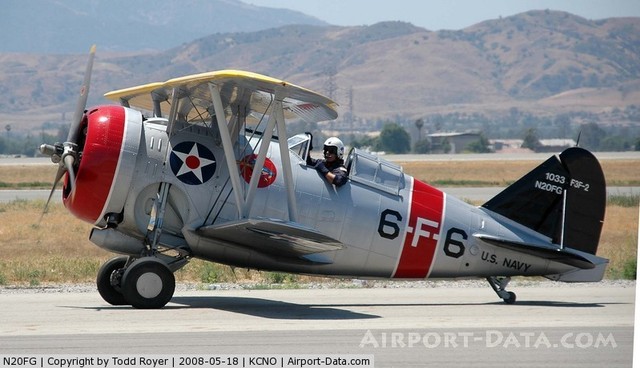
[{"x": 541, "y": 61}]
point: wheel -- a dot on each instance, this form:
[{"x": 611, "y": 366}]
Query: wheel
[
  {"x": 148, "y": 284},
  {"x": 109, "y": 278},
  {"x": 511, "y": 298}
]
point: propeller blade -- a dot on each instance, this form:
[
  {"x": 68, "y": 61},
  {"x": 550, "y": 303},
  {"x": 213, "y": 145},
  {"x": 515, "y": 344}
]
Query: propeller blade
[
  {"x": 67, "y": 151},
  {"x": 68, "y": 163},
  {"x": 59, "y": 174},
  {"x": 81, "y": 105}
]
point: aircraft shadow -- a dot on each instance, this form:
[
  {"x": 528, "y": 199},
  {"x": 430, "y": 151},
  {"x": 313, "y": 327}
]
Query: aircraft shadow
[
  {"x": 266, "y": 308},
  {"x": 275, "y": 309},
  {"x": 555, "y": 304},
  {"x": 524, "y": 303},
  {"x": 283, "y": 310}
]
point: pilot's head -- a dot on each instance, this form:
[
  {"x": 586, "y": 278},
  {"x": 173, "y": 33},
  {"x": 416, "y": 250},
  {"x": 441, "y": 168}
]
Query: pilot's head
[{"x": 333, "y": 149}]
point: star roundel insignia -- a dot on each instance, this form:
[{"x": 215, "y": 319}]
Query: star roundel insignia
[
  {"x": 267, "y": 176},
  {"x": 192, "y": 163}
]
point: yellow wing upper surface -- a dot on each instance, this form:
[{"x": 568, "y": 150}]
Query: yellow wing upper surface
[{"x": 238, "y": 89}]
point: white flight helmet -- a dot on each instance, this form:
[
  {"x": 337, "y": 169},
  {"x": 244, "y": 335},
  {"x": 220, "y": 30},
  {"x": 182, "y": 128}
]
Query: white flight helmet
[{"x": 337, "y": 143}]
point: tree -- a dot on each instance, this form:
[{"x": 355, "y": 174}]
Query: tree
[
  {"x": 479, "y": 146},
  {"x": 419, "y": 124},
  {"x": 531, "y": 140},
  {"x": 364, "y": 141},
  {"x": 616, "y": 143},
  {"x": 394, "y": 139},
  {"x": 422, "y": 146},
  {"x": 591, "y": 135},
  {"x": 563, "y": 124}
]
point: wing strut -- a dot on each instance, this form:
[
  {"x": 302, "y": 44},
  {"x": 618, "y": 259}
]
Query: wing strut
[
  {"x": 276, "y": 119},
  {"x": 286, "y": 161},
  {"x": 262, "y": 155},
  {"x": 229, "y": 155}
]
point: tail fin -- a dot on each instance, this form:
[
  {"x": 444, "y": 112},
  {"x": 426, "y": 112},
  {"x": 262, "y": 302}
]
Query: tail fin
[{"x": 564, "y": 198}]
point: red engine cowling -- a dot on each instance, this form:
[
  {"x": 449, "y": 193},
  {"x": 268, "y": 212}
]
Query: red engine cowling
[{"x": 108, "y": 144}]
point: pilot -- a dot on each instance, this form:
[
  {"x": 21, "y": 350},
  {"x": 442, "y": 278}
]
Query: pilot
[{"x": 332, "y": 167}]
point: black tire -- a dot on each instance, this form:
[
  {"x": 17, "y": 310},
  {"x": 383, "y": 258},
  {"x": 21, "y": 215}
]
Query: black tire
[
  {"x": 111, "y": 293},
  {"x": 148, "y": 284},
  {"x": 511, "y": 299}
]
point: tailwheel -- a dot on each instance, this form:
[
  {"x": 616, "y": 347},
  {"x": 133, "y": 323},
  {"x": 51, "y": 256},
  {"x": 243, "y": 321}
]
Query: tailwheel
[
  {"x": 511, "y": 298},
  {"x": 148, "y": 284},
  {"x": 109, "y": 280},
  {"x": 499, "y": 284}
]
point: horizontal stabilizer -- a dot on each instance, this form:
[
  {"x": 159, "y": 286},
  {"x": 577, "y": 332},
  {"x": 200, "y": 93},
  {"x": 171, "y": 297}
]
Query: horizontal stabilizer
[
  {"x": 274, "y": 237},
  {"x": 551, "y": 252}
]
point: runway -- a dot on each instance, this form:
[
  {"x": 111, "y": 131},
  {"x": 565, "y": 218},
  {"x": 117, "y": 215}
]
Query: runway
[
  {"x": 468, "y": 193},
  {"x": 541, "y": 156},
  {"x": 436, "y": 324}
]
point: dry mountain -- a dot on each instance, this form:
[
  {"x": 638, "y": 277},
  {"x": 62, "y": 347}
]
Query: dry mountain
[
  {"x": 539, "y": 61},
  {"x": 68, "y": 26}
]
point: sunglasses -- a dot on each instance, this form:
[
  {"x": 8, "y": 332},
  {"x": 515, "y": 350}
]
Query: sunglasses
[{"x": 330, "y": 150}]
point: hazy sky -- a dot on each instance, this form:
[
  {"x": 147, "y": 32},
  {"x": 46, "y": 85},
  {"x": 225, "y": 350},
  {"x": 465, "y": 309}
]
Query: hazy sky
[{"x": 445, "y": 14}]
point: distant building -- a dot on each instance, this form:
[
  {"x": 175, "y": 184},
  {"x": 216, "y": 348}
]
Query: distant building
[
  {"x": 452, "y": 142},
  {"x": 546, "y": 145},
  {"x": 509, "y": 146},
  {"x": 555, "y": 145}
]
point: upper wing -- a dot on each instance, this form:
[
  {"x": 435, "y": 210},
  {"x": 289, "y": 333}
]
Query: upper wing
[
  {"x": 238, "y": 89},
  {"x": 228, "y": 100},
  {"x": 276, "y": 237}
]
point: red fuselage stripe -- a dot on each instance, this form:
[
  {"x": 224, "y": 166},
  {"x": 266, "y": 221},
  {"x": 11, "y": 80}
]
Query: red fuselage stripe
[{"x": 423, "y": 232}]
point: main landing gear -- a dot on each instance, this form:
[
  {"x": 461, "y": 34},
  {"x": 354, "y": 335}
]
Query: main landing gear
[
  {"x": 498, "y": 284},
  {"x": 144, "y": 283}
]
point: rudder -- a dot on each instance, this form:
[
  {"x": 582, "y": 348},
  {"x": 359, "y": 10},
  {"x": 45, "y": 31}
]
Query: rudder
[{"x": 538, "y": 200}]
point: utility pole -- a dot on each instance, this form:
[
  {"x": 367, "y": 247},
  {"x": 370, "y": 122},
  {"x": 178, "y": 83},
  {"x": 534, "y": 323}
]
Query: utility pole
[
  {"x": 330, "y": 85},
  {"x": 350, "y": 115}
]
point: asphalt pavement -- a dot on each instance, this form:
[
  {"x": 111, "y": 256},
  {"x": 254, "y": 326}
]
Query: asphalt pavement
[{"x": 434, "y": 325}]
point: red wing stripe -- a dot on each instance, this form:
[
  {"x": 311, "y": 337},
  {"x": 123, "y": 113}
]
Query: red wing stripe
[{"x": 423, "y": 231}]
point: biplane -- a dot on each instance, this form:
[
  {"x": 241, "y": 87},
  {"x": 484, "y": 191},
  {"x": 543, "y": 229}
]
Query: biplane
[{"x": 203, "y": 166}]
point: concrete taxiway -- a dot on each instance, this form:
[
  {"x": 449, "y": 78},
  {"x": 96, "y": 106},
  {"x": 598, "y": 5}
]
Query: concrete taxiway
[
  {"x": 435, "y": 324},
  {"x": 469, "y": 193}
]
